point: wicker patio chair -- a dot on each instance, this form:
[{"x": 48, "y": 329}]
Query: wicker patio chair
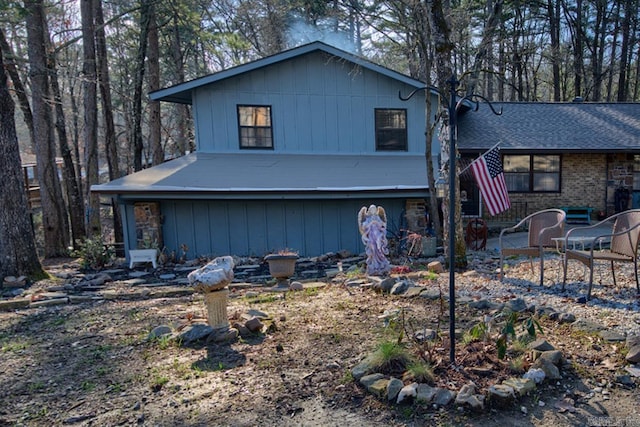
[
  {"x": 543, "y": 227},
  {"x": 623, "y": 247}
]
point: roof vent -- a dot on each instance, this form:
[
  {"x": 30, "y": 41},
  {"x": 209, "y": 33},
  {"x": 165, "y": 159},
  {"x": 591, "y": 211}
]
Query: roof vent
[{"x": 578, "y": 99}]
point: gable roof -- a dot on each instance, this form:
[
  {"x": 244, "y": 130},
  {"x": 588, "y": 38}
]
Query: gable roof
[
  {"x": 269, "y": 175},
  {"x": 182, "y": 92},
  {"x": 552, "y": 127}
]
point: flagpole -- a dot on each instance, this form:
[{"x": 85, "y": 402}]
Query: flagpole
[{"x": 469, "y": 165}]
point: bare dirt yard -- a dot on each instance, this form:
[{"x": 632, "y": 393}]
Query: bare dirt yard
[{"x": 90, "y": 362}]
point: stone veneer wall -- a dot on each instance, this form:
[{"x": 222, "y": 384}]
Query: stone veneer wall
[
  {"x": 148, "y": 225},
  {"x": 584, "y": 182}
]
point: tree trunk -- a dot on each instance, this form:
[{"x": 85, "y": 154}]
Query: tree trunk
[
  {"x": 18, "y": 87},
  {"x": 18, "y": 256},
  {"x": 138, "y": 146},
  {"x": 54, "y": 216},
  {"x": 153, "y": 61},
  {"x": 553, "y": 11},
  {"x": 74, "y": 194},
  {"x": 94, "y": 228},
  {"x": 597, "y": 53},
  {"x": 426, "y": 62},
  {"x": 183, "y": 142},
  {"x": 614, "y": 45},
  {"x": 111, "y": 145},
  {"x": 443, "y": 49},
  {"x": 624, "y": 52},
  {"x": 578, "y": 63},
  {"x": 481, "y": 55}
]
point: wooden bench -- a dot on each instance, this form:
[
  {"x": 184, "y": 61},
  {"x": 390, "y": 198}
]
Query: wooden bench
[{"x": 577, "y": 214}]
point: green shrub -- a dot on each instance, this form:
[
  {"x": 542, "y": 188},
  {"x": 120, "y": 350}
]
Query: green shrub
[
  {"x": 391, "y": 357},
  {"x": 94, "y": 253}
]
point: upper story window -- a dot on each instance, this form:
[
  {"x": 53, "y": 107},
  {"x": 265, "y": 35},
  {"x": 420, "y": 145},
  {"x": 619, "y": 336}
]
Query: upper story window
[
  {"x": 254, "y": 126},
  {"x": 532, "y": 173},
  {"x": 391, "y": 129}
]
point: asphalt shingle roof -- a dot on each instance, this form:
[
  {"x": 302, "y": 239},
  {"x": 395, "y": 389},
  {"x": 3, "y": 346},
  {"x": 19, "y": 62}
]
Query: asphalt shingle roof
[
  {"x": 268, "y": 173},
  {"x": 548, "y": 127}
]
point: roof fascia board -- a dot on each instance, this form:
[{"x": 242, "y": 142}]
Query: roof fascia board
[{"x": 395, "y": 194}]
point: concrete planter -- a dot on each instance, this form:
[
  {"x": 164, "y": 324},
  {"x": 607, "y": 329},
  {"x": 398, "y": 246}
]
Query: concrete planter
[{"x": 281, "y": 267}]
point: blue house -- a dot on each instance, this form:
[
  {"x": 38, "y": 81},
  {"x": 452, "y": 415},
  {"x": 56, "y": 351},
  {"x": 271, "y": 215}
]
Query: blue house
[{"x": 289, "y": 148}]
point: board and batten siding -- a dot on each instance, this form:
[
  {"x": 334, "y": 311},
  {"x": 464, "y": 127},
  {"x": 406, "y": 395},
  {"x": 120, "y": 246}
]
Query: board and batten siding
[
  {"x": 319, "y": 104},
  {"x": 256, "y": 227}
]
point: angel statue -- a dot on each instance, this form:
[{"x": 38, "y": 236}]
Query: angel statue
[{"x": 372, "y": 223}]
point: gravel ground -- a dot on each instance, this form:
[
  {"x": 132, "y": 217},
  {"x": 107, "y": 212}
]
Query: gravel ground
[{"x": 92, "y": 364}]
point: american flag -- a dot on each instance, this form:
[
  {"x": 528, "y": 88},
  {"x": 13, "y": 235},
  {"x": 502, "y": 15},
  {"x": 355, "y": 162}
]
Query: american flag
[{"x": 487, "y": 170}]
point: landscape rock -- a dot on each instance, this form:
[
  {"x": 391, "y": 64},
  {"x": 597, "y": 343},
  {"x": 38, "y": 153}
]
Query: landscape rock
[
  {"x": 386, "y": 284},
  {"x": 399, "y": 288},
  {"x": 522, "y": 386},
  {"x": 553, "y": 356},
  {"x": 14, "y": 282},
  {"x": 223, "y": 335},
  {"x": 540, "y": 345},
  {"x": 296, "y": 286},
  {"x": 517, "y": 305},
  {"x": 159, "y": 331},
  {"x": 436, "y": 267},
  {"x": 501, "y": 395},
  {"x": 566, "y": 318},
  {"x": 551, "y": 371},
  {"x": 612, "y": 336},
  {"x": 194, "y": 332},
  {"x": 633, "y": 355},
  {"x": 367, "y": 380},
  {"x": 243, "y": 331},
  {"x": 408, "y": 391},
  {"x": 632, "y": 340},
  {"x": 425, "y": 393},
  {"x": 254, "y": 324},
  {"x": 443, "y": 397},
  {"x": 361, "y": 369},
  {"x": 379, "y": 388},
  {"x": 393, "y": 388},
  {"x": 467, "y": 398}
]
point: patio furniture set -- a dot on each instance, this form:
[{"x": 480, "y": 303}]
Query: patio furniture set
[{"x": 614, "y": 239}]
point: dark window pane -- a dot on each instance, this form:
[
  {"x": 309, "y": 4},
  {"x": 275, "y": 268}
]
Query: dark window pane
[
  {"x": 391, "y": 130},
  {"x": 546, "y": 182},
  {"x": 532, "y": 173}
]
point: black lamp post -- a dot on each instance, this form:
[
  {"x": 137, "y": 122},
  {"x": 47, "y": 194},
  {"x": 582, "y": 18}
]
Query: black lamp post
[
  {"x": 453, "y": 85},
  {"x": 452, "y": 109}
]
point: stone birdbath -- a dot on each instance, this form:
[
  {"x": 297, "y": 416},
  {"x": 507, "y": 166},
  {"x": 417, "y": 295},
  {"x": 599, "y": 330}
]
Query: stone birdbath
[{"x": 213, "y": 280}]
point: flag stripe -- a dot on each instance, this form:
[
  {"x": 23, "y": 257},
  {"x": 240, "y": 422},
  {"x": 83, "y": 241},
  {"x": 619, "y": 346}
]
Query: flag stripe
[{"x": 487, "y": 170}]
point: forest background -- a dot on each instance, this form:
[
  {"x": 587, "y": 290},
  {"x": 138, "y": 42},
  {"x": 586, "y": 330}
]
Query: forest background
[{"x": 76, "y": 77}]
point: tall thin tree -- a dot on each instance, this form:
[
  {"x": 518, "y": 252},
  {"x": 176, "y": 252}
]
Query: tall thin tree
[
  {"x": 89, "y": 86},
  {"x": 54, "y": 215},
  {"x": 111, "y": 144},
  {"x": 18, "y": 254}
]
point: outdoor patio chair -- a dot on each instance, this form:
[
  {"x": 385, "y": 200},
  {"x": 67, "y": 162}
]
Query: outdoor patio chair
[
  {"x": 623, "y": 247},
  {"x": 543, "y": 227}
]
